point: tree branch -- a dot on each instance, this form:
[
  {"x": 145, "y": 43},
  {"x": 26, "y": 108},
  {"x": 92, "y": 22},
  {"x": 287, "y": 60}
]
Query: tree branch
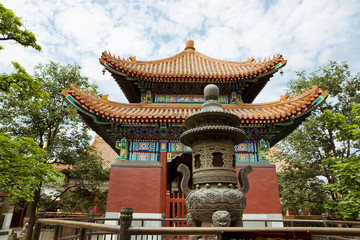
[
  {"x": 62, "y": 193},
  {"x": 5, "y": 39},
  {"x": 332, "y": 144}
]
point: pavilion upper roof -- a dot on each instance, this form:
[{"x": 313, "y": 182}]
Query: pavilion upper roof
[{"x": 191, "y": 67}]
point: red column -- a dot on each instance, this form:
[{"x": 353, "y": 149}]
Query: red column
[{"x": 96, "y": 208}]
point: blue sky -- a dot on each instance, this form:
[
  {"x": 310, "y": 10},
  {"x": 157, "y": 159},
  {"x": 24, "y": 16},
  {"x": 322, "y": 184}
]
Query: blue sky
[{"x": 307, "y": 33}]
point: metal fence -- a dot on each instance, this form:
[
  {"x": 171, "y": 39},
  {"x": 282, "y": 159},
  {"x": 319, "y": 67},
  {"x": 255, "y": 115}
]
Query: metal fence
[{"x": 95, "y": 228}]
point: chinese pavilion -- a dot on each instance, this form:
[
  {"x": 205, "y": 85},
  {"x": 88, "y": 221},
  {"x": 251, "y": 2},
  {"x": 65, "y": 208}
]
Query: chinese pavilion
[{"x": 162, "y": 93}]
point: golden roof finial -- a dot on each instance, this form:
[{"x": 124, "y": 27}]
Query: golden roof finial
[{"x": 189, "y": 45}]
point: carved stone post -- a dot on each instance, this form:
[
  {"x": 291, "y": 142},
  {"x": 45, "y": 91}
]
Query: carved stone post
[{"x": 126, "y": 216}]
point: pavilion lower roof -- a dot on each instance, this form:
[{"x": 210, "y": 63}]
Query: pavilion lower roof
[
  {"x": 191, "y": 67},
  {"x": 116, "y": 112},
  {"x": 112, "y": 120}
]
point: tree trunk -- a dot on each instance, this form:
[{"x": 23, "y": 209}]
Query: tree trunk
[
  {"x": 332, "y": 143},
  {"x": 32, "y": 217}
]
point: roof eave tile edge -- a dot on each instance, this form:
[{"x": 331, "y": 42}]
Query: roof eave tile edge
[
  {"x": 114, "y": 118},
  {"x": 316, "y": 103},
  {"x": 81, "y": 108}
]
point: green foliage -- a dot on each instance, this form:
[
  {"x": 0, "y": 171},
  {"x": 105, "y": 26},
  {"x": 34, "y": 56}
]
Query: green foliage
[
  {"x": 47, "y": 120},
  {"x": 11, "y": 28},
  {"x": 302, "y": 179},
  {"x": 300, "y": 187},
  {"x": 346, "y": 186},
  {"x": 21, "y": 84},
  {"x": 84, "y": 200},
  {"x": 52, "y": 125},
  {"x": 338, "y": 123},
  {"x": 346, "y": 171},
  {"x": 23, "y": 167},
  {"x": 82, "y": 191}
]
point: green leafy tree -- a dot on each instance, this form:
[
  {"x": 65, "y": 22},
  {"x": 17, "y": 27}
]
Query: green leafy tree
[
  {"x": 346, "y": 171},
  {"x": 304, "y": 176},
  {"x": 48, "y": 121},
  {"x": 12, "y": 29},
  {"x": 21, "y": 83},
  {"x": 81, "y": 191},
  {"x": 23, "y": 168},
  {"x": 86, "y": 193}
]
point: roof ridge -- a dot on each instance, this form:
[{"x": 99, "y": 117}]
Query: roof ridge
[{"x": 249, "y": 61}]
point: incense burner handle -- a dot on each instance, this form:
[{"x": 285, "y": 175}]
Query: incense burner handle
[
  {"x": 184, "y": 170},
  {"x": 243, "y": 178}
]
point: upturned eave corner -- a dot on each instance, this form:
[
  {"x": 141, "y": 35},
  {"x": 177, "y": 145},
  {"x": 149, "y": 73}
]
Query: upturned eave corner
[
  {"x": 64, "y": 92},
  {"x": 325, "y": 94},
  {"x": 102, "y": 61}
]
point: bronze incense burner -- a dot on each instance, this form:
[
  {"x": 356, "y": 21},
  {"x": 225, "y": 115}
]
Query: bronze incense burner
[{"x": 212, "y": 134}]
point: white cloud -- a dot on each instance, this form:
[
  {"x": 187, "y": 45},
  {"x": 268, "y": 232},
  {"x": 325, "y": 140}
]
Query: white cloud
[{"x": 308, "y": 33}]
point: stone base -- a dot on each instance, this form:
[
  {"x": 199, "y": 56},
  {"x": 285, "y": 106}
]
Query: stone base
[
  {"x": 135, "y": 223},
  {"x": 262, "y": 223},
  {"x": 7, "y": 220}
]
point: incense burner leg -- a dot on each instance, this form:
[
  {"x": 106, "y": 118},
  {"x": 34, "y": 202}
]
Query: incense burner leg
[{"x": 192, "y": 222}]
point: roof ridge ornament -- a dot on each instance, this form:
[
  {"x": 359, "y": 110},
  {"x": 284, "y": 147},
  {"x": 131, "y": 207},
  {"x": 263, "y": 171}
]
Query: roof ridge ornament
[
  {"x": 132, "y": 59},
  {"x": 189, "y": 45},
  {"x": 104, "y": 96}
]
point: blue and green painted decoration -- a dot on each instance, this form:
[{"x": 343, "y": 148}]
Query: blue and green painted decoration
[
  {"x": 148, "y": 150},
  {"x": 163, "y": 98}
]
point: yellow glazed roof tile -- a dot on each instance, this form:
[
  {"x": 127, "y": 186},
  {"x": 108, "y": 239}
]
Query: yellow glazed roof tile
[
  {"x": 169, "y": 112},
  {"x": 191, "y": 65}
]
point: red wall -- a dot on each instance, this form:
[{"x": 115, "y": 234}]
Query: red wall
[
  {"x": 135, "y": 187},
  {"x": 141, "y": 189},
  {"x": 263, "y": 196}
]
